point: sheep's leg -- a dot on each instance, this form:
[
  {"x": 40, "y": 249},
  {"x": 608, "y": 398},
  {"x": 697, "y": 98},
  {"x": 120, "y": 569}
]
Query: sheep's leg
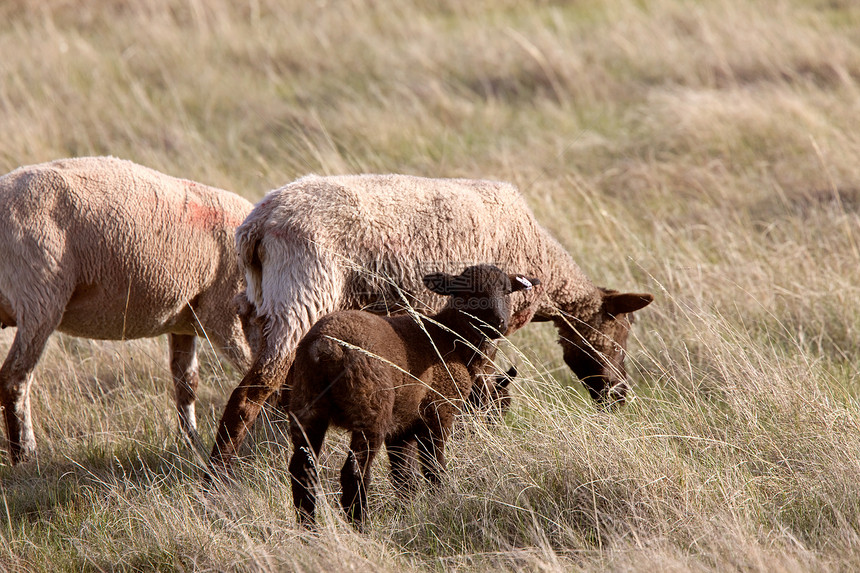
[
  {"x": 186, "y": 377},
  {"x": 265, "y": 376},
  {"x": 16, "y": 378},
  {"x": 307, "y": 437},
  {"x": 355, "y": 475},
  {"x": 224, "y": 329},
  {"x": 401, "y": 457}
]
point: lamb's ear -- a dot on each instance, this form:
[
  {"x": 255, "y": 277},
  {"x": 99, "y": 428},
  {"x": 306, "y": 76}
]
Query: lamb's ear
[
  {"x": 440, "y": 283},
  {"x": 623, "y": 302},
  {"x": 519, "y": 282}
]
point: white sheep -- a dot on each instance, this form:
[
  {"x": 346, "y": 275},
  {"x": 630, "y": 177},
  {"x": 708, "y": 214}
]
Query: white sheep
[
  {"x": 104, "y": 248},
  {"x": 322, "y": 244}
]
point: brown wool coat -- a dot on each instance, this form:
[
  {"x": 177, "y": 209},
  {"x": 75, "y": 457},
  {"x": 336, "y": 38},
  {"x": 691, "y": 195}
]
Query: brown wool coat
[{"x": 395, "y": 380}]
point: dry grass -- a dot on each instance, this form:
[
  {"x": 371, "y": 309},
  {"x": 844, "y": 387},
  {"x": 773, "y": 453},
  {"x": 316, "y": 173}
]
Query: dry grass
[{"x": 706, "y": 151}]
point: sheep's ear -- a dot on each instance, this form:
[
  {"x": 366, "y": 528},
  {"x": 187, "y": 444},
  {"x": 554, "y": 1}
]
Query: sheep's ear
[
  {"x": 242, "y": 306},
  {"x": 507, "y": 377},
  {"x": 519, "y": 282},
  {"x": 623, "y": 302},
  {"x": 440, "y": 283}
]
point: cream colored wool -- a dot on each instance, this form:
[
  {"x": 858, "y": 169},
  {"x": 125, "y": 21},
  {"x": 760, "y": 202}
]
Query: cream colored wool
[
  {"x": 359, "y": 239},
  {"x": 104, "y": 248},
  {"x": 322, "y": 244}
]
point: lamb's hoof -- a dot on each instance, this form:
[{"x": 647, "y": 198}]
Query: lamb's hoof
[
  {"x": 216, "y": 473},
  {"x": 306, "y": 522}
]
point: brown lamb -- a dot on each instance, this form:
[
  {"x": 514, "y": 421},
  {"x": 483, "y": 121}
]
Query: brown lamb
[
  {"x": 392, "y": 380},
  {"x": 489, "y": 401}
]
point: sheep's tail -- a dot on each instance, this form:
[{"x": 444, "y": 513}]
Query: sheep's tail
[{"x": 248, "y": 238}]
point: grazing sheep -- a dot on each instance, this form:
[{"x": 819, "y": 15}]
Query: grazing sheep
[
  {"x": 491, "y": 397},
  {"x": 391, "y": 380},
  {"x": 322, "y": 244},
  {"x": 103, "y": 248}
]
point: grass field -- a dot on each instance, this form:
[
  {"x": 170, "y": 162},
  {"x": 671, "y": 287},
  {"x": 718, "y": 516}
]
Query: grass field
[{"x": 705, "y": 151}]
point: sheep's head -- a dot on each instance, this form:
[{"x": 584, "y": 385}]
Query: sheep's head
[
  {"x": 595, "y": 346},
  {"x": 491, "y": 396},
  {"x": 481, "y": 293}
]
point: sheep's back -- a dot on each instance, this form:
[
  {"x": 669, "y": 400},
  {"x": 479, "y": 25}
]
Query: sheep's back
[
  {"x": 387, "y": 231},
  {"x": 135, "y": 246}
]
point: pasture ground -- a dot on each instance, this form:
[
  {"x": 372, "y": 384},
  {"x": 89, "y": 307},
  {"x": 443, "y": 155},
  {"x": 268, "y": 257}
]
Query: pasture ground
[{"x": 704, "y": 151}]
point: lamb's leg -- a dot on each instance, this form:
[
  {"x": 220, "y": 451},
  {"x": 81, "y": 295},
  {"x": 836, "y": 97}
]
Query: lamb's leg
[
  {"x": 355, "y": 475},
  {"x": 482, "y": 362},
  {"x": 16, "y": 378},
  {"x": 186, "y": 377},
  {"x": 402, "y": 458},
  {"x": 431, "y": 445},
  {"x": 266, "y": 375},
  {"x": 307, "y": 436}
]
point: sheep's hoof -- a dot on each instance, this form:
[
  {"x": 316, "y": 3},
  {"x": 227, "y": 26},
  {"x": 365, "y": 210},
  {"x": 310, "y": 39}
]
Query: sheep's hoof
[{"x": 21, "y": 454}]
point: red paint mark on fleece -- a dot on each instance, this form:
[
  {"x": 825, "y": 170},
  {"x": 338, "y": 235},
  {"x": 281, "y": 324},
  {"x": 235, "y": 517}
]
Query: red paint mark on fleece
[
  {"x": 201, "y": 216},
  {"x": 204, "y": 216}
]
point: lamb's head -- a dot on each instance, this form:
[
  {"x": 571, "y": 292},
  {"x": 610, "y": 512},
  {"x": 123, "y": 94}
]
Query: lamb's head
[
  {"x": 595, "y": 346},
  {"x": 480, "y": 293}
]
